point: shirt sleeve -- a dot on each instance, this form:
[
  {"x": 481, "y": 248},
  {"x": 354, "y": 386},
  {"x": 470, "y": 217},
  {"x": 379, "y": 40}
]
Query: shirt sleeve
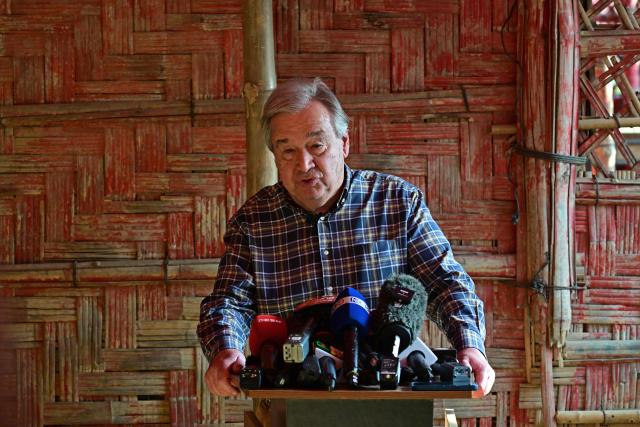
[
  {"x": 226, "y": 313},
  {"x": 452, "y": 304}
]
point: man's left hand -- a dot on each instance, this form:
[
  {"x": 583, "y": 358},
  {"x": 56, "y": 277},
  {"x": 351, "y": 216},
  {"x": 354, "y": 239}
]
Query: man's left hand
[{"x": 483, "y": 372}]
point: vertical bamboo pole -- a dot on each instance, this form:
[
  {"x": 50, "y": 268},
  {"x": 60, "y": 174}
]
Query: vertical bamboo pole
[
  {"x": 535, "y": 135},
  {"x": 259, "y": 81},
  {"x": 566, "y": 65}
]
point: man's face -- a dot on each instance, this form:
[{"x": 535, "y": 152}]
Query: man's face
[{"x": 309, "y": 156}]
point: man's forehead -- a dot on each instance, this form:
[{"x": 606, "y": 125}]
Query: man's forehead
[{"x": 284, "y": 139}]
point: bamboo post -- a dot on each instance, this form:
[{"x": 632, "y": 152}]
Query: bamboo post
[
  {"x": 260, "y": 80},
  {"x": 535, "y": 136},
  {"x": 606, "y": 416},
  {"x": 566, "y": 65},
  {"x": 590, "y": 124}
]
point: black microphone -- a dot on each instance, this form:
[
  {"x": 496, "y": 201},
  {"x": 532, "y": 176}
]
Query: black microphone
[
  {"x": 399, "y": 315},
  {"x": 396, "y": 322},
  {"x": 418, "y": 364},
  {"x": 307, "y": 317}
]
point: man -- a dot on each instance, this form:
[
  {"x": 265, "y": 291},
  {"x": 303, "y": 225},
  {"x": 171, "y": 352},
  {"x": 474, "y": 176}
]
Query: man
[{"x": 322, "y": 228}]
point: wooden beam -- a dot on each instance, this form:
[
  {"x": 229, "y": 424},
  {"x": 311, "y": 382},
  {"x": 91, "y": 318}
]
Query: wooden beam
[{"x": 259, "y": 81}]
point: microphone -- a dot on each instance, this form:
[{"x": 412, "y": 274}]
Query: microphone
[
  {"x": 349, "y": 317},
  {"x": 306, "y": 318},
  {"x": 419, "y": 358},
  {"x": 399, "y": 315},
  {"x": 396, "y": 323},
  {"x": 265, "y": 338}
]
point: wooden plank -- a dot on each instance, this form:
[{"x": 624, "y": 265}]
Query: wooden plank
[
  {"x": 59, "y": 207},
  {"x": 601, "y": 43},
  {"x": 315, "y": 15},
  {"x": 208, "y": 76},
  {"x": 219, "y": 139},
  {"x": 180, "y": 235},
  {"x": 183, "y": 308},
  {"x": 119, "y": 163},
  {"x": 120, "y": 227},
  {"x": 123, "y": 384},
  {"x": 182, "y": 395},
  {"x": 90, "y": 184},
  {"x": 441, "y": 47},
  {"x": 486, "y": 265},
  {"x": 59, "y": 67},
  {"x": 88, "y": 47},
  {"x": 29, "y": 410},
  {"x": 7, "y": 243},
  {"x": 601, "y": 349},
  {"x": 29, "y": 229},
  {"x": 151, "y": 147},
  {"x": 148, "y": 360},
  {"x": 475, "y": 26},
  {"x": 56, "y": 7},
  {"x": 119, "y": 317},
  {"x": 118, "y": 31},
  {"x": 70, "y": 251},
  {"x": 179, "y": 137},
  {"x": 90, "y": 320},
  {"x": 286, "y": 23},
  {"x": 146, "y": 68},
  {"x": 149, "y": 15},
  {"x": 193, "y": 269},
  {"x": 176, "y": 42},
  {"x": 165, "y": 333},
  {"x": 203, "y": 21},
  {"x": 407, "y": 60},
  {"x": 344, "y": 41},
  {"x": 28, "y": 86},
  {"x": 77, "y": 413},
  {"x": 210, "y": 225},
  {"x": 233, "y": 66},
  {"x": 151, "y": 303}
]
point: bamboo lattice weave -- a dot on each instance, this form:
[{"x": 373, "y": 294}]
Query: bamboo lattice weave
[{"x": 122, "y": 156}]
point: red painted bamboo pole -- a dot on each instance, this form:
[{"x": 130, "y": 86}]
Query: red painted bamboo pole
[{"x": 535, "y": 134}]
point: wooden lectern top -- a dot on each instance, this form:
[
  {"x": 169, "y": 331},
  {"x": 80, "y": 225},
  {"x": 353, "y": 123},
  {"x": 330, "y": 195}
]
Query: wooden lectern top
[{"x": 401, "y": 393}]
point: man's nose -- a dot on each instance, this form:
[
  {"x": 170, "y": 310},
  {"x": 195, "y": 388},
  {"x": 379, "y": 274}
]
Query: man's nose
[{"x": 305, "y": 161}]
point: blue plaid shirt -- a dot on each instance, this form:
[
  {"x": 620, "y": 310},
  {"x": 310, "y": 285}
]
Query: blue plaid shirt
[{"x": 277, "y": 255}]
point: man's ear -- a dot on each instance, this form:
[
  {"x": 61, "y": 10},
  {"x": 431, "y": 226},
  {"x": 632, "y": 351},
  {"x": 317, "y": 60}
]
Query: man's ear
[{"x": 345, "y": 145}]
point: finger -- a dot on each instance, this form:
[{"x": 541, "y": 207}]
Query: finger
[
  {"x": 224, "y": 387},
  {"x": 234, "y": 380},
  {"x": 237, "y": 366},
  {"x": 485, "y": 382}
]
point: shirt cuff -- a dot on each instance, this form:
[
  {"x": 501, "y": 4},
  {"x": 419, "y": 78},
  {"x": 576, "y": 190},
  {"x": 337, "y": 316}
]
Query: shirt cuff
[
  {"x": 220, "y": 342},
  {"x": 469, "y": 338}
]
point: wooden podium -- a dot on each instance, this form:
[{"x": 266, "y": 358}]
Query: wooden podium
[{"x": 346, "y": 407}]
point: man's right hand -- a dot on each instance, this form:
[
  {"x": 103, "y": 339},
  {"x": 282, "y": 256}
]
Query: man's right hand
[{"x": 222, "y": 377}]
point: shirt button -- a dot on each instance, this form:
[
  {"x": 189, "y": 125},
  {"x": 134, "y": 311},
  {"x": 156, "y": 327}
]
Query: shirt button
[
  {"x": 326, "y": 252},
  {"x": 329, "y": 290}
]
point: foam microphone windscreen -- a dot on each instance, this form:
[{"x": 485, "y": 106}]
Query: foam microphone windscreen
[
  {"x": 400, "y": 313},
  {"x": 266, "y": 328}
]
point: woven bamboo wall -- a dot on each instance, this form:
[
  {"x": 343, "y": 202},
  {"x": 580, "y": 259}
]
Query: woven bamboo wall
[{"x": 122, "y": 156}]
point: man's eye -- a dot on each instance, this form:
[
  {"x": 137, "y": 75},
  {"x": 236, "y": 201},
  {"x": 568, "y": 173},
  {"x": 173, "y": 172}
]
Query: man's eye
[
  {"x": 288, "y": 153},
  {"x": 317, "y": 148}
]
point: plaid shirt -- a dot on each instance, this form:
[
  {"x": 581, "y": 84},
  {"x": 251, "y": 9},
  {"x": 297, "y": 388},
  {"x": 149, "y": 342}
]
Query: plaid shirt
[{"x": 279, "y": 255}]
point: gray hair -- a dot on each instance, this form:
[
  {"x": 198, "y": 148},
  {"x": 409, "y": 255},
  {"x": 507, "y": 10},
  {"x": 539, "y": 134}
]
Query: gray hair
[{"x": 294, "y": 96}]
